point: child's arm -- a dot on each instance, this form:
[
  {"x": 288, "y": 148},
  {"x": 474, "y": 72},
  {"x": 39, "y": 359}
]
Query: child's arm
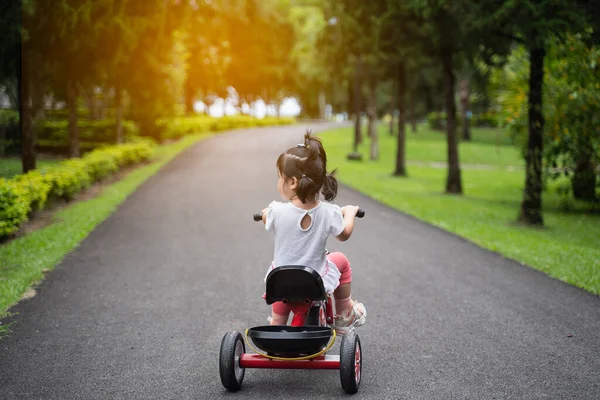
[
  {"x": 349, "y": 214},
  {"x": 264, "y": 215}
]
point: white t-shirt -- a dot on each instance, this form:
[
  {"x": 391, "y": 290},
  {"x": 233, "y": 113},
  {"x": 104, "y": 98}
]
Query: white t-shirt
[{"x": 306, "y": 247}]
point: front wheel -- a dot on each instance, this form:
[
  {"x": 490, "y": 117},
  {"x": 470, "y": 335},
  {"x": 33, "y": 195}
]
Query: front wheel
[
  {"x": 350, "y": 362},
  {"x": 232, "y": 348}
]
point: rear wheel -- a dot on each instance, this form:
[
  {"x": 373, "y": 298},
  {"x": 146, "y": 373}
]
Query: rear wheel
[
  {"x": 316, "y": 315},
  {"x": 350, "y": 362},
  {"x": 232, "y": 348}
]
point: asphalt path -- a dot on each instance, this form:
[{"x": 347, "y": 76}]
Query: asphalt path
[{"x": 138, "y": 310}]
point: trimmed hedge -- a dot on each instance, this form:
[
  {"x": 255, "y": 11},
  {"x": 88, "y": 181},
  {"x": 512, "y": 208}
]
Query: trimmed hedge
[
  {"x": 29, "y": 192},
  {"x": 53, "y": 136},
  {"x": 179, "y": 127},
  {"x": 9, "y": 131},
  {"x": 13, "y": 207},
  {"x": 8, "y": 116}
]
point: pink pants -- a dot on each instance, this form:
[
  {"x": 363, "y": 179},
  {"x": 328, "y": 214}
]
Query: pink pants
[{"x": 342, "y": 264}]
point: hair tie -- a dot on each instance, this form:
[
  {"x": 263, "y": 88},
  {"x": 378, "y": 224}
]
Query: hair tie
[{"x": 301, "y": 145}]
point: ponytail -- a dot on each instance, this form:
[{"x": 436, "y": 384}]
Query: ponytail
[
  {"x": 315, "y": 148},
  {"x": 330, "y": 187},
  {"x": 306, "y": 188}
]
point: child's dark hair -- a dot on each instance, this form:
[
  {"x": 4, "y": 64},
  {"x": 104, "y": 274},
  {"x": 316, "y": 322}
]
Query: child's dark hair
[{"x": 307, "y": 162}]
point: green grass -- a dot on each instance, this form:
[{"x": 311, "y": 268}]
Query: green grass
[
  {"x": 568, "y": 248},
  {"x": 11, "y": 166},
  {"x": 488, "y": 147},
  {"x": 24, "y": 260}
]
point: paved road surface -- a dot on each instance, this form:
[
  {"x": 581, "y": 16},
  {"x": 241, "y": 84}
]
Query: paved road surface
[{"x": 139, "y": 309}]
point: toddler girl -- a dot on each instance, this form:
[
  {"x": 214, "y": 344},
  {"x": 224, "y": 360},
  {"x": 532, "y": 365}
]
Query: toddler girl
[{"x": 302, "y": 225}]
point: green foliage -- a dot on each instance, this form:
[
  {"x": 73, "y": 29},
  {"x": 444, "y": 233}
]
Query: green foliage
[
  {"x": 573, "y": 114},
  {"x": 571, "y": 107},
  {"x": 29, "y": 192},
  {"x": 37, "y": 188},
  {"x": 179, "y": 127},
  {"x": 437, "y": 120},
  {"x": 68, "y": 178},
  {"x": 62, "y": 114},
  {"x": 9, "y": 131},
  {"x": 13, "y": 209},
  {"x": 102, "y": 131},
  {"x": 8, "y": 117},
  {"x": 139, "y": 151},
  {"x": 100, "y": 165}
]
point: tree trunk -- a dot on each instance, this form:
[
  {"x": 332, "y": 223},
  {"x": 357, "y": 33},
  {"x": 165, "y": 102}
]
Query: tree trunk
[
  {"x": 392, "y": 109},
  {"x": 401, "y": 100},
  {"x": 531, "y": 206},
  {"x": 453, "y": 181},
  {"x": 72, "y": 106},
  {"x": 28, "y": 156},
  {"x": 413, "y": 116},
  {"x": 357, "y": 101},
  {"x": 119, "y": 113},
  {"x": 37, "y": 99},
  {"x": 465, "y": 92},
  {"x": 322, "y": 105},
  {"x": 188, "y": 95},
  {"x": 391, "y": 128},
  {"x": 372, "y": 115}
]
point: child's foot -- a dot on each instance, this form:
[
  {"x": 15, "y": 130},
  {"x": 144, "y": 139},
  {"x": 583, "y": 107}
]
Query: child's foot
[{"x": 357, "y": 317}]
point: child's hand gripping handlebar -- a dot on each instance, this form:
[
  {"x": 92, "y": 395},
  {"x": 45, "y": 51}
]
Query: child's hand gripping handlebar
[{"x": 359, "y": 214}]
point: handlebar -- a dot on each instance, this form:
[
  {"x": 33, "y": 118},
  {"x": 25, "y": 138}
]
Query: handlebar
[{"x": 361, "y": 213}]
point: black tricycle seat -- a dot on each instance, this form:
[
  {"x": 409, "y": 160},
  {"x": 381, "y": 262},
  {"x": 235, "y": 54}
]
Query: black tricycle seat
[{"x": 294, "y": 283}]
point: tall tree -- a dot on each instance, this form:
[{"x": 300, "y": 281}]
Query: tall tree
[
  {"x": 446, "y": 34},
  {"x": 532, "y": 24},
  {"x": 399, "y": 37}
]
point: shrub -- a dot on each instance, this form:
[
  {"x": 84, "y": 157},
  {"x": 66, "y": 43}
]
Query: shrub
[
  {"x": 104, "y": 162},
  {"x": 36, "y": 188},
  {"x": 68, "y": 178},
  {"x": 100, "y": 164},
  {"x": 53, "y": 136},
  {"x": 179, "y": 127},
  {"x": 436, "y": 120},
  {"x": 9, "y": 132},
  {"x": 28, "y": 192},
  {"x": 13, "y": 207},
  {"x": 8, "y": 116}
]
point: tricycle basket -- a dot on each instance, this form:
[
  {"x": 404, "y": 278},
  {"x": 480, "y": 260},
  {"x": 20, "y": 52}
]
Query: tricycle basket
[{"x": 290, "y": 341}]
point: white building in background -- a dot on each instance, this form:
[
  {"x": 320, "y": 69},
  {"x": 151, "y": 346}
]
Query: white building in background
[{"x": 289, "y": 108}]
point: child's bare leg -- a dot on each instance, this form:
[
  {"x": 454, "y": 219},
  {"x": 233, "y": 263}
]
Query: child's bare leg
[
  {"x": 343, "y": 302},
  {"x": 280, "y": 313},
  {"x": 342, "y": 299}
]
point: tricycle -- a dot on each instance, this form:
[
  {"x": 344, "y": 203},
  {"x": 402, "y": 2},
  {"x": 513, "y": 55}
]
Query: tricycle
[{"x": 301, "y": 345}]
